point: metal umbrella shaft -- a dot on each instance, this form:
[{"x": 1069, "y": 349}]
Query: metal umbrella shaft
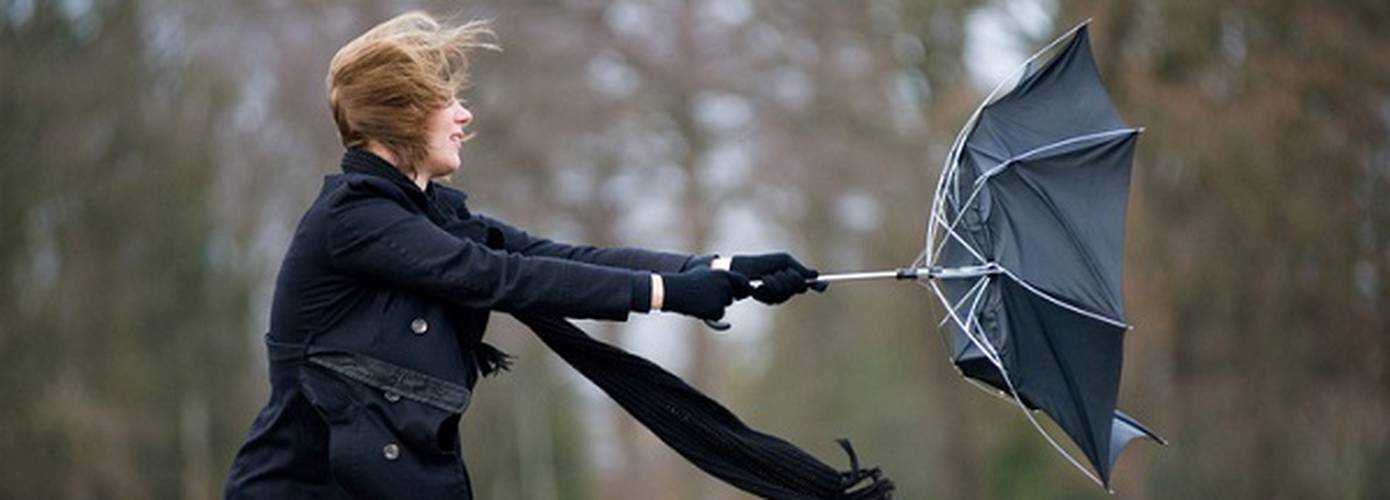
[{"x": 902, "y": 273}]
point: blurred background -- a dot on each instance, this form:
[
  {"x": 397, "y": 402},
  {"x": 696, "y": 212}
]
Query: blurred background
[{"x": 156, "y": 155}]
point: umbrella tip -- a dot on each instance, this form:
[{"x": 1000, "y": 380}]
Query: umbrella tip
[{"x": 1139, "y": 130}]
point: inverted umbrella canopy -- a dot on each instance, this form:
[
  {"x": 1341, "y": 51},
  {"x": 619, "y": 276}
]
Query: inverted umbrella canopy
[{"x": 1025, "y": 245}]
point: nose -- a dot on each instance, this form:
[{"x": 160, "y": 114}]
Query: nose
[{"x": 463, "y": 116}]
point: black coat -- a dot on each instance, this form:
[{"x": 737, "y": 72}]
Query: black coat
[{"x": 379, "y": 309}]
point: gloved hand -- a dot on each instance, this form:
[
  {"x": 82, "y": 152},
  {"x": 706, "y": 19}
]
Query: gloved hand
[
  {"x": 703, "y": 292},
  {"x": 780, "y": 286},
  {"x": 782, "y": 275}
]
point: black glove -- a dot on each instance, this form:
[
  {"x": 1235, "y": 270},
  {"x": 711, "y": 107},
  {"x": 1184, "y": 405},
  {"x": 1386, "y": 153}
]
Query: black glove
[
  {"x": 703, "y": 292},
  {"x": 767, "y": 267},
  {"x": 780, "y": 286}
]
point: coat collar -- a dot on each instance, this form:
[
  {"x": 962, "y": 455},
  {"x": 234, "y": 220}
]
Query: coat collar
[{"x": 361, "y": 161}]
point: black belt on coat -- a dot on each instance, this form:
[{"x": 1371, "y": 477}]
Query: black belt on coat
[{"x": 286, "y": 358}]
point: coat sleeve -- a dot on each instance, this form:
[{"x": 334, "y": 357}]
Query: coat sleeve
[
  {"x": 372, "y": 236},
  {"x": 519, "y": 241}
]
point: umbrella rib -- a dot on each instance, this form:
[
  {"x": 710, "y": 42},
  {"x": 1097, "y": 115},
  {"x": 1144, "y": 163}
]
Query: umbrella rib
[
  {"x": 998, "y": 363},
  {"x": 1051, "y": 146},
  {"x": 1064, "y": 305},
  {"x": 960, "y": 215},
  {"x": 980, "y": 182},
  {"x": 1056, "y": 446},
  {"x": 952, "y": 164},
  {"x": 946, "y": 344},
  {"x": 1075, "y": 397},
  {"x": 927, "y": 255},
  {"x": 979, "y": 291},
  {"x": 950, "y": 228},
  {"x": 951, "y": 232},
  {"x": 954, "y": 155},
  {"x": 920, "y": 261},
  {"x": 1070, "y": 230},
  {"x": 960, "y": 303},
  {"x": 1019, "y": 401},
  {"x": 950, "y": 174},
  {"x": 970, "y": 318}
]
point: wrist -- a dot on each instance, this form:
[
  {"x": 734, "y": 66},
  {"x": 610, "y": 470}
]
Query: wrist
[
  {"x": 697, "y": 262},
  {"x": 658, "y": 292}
]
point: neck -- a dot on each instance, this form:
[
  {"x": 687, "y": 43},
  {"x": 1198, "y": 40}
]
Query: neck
[{"x": 418, "y": 178}]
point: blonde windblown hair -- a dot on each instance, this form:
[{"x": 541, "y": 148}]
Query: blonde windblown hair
[{"x": 383, "y": 85}]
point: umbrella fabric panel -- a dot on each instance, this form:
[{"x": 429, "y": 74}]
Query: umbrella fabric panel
[
  {"x": 1071, "y": 370},
  {"x": 1064, "y": 98},
  {"x": 1058, "y": 222},
  {"x": 1124, "y": 430}
]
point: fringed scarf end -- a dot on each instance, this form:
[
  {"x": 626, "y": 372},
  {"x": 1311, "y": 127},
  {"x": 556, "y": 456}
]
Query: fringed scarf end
[
  {"x": 878, "y": 487},
  {"x": 491, "y": 360}
]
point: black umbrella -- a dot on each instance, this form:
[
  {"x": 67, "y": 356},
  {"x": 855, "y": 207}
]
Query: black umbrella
[
  {"x": 1030, "y": 214},
  {"x": 1024, "y": 248}
]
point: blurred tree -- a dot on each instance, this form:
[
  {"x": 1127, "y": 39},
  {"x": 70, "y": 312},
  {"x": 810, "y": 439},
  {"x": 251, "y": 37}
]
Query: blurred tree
[
  {"x": 1259, "y": 254},
  {"x": 124, "y": 318}
]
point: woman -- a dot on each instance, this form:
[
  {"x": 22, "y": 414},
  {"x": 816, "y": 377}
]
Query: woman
[{"x": 385, "y": 291}]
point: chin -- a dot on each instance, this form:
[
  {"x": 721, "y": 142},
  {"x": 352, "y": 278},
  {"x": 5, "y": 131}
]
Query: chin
[{"x": 444, "y": 168}]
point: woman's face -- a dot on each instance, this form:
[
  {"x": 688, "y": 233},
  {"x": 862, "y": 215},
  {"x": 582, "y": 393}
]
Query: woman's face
[{"x": 444, "y": 139}]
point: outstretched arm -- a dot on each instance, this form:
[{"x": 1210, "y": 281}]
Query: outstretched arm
[
  {"x": 521, "y": 242},
  {"x": 372, "y": 236}
]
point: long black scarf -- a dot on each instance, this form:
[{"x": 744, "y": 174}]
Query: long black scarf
[{"x": 699, "y": 428}]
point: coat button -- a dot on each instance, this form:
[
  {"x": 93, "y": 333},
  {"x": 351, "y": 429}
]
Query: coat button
[
  {"x": 392, "y": 397},
  {"x": 391, "y": 451},
  {"x": 419, "y": 326}
]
